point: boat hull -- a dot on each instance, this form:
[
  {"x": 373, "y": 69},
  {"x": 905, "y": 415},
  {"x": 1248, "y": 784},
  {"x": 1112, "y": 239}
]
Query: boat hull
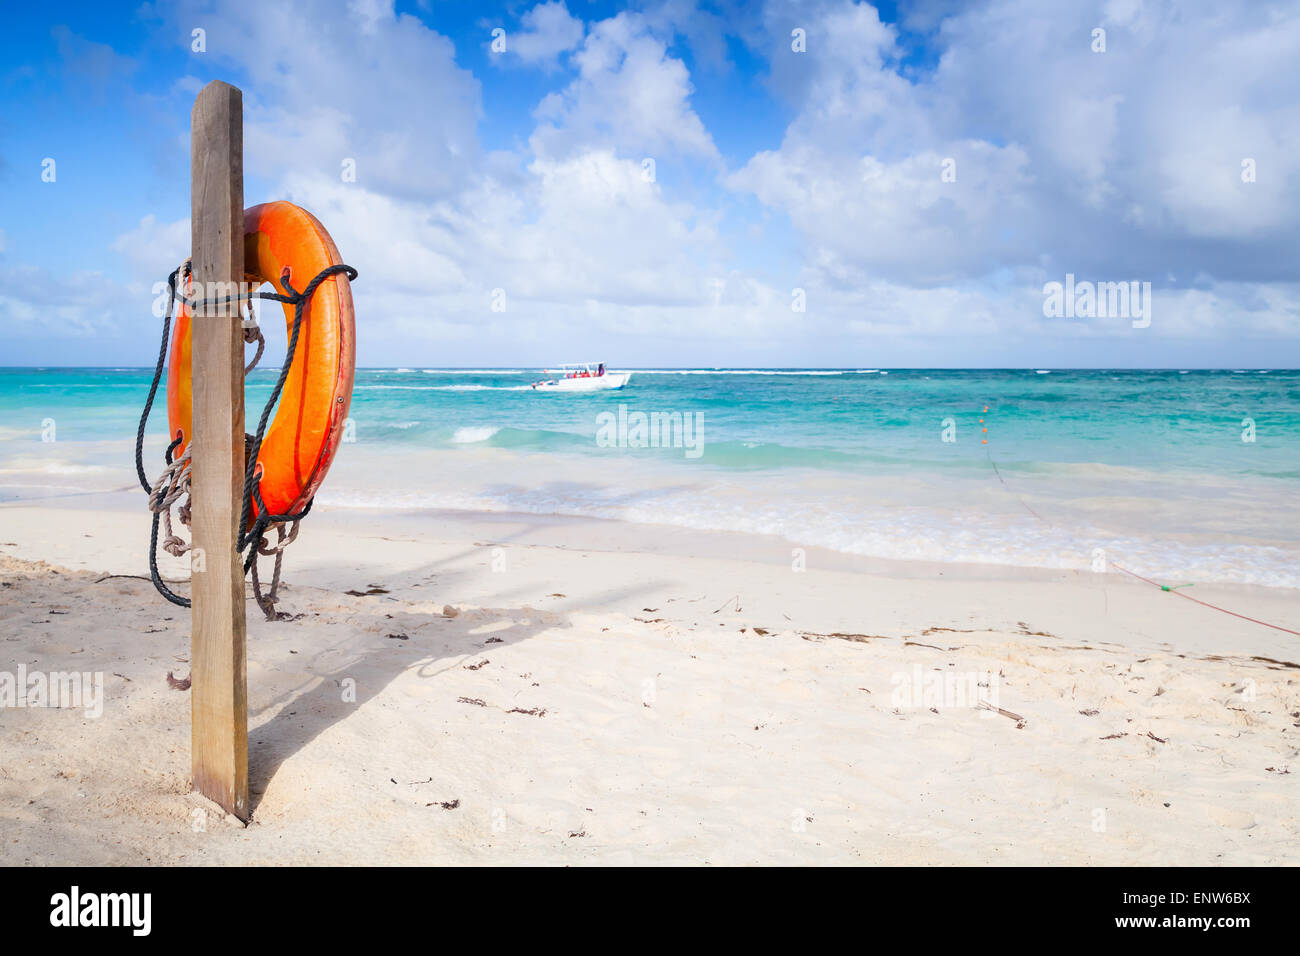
[{"x": 595, "y": 383}]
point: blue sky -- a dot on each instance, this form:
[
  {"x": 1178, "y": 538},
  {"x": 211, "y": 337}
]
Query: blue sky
[{"x": 775, "y": 170}]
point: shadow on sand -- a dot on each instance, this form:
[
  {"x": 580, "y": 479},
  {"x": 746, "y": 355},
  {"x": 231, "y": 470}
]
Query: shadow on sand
[{"x": 305, "y": 712}]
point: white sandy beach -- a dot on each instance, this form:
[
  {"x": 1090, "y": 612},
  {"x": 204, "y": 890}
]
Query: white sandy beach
[
  {"x": 609, "y": 693},
  {"x": 783, "y": 433}
]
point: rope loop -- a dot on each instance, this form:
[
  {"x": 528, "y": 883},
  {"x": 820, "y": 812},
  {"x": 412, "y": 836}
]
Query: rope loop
[{"x": 173, "y": 485}]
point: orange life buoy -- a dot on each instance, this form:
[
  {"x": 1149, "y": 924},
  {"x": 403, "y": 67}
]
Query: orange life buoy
[{"x": 301, "y": 441}]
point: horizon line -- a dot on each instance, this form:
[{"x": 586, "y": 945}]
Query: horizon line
[{"x": 736, "y": 368}]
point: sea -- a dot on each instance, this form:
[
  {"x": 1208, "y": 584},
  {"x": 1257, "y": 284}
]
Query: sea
[{"x": 1181, "y": 474}]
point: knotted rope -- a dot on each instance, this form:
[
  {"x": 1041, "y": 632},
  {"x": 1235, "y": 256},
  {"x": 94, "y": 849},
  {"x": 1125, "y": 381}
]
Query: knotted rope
[{"x": 173, "y": 485}]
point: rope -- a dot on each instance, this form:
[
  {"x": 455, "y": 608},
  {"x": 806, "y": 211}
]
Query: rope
[
  {"x": 252, "y": 487},
  {"x": 173, "y": 484},
  {"x": 158, "y": 583},
  {"x": 157, "y": 375},
  {"x": 1023, "y": 504},
  {"x": 154, "y": 576},
  {"x": 1172, "y": 589},
  {"x": 267, "y": 602},
  {"x": 1276, "y": 627},
  {"x": 253, "y": 333}
]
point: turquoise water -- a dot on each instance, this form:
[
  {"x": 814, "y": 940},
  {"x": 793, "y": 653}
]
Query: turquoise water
[
  {"x": 835, "y": 419},
  {"x": 1151, "y": 463},
  {"x": 854, "y": 419}
]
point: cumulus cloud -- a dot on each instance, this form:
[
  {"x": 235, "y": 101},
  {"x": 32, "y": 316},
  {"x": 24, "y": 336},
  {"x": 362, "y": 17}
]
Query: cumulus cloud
[
  {"x": 1117, "y": 165},
  {"x": 1093, "y": 160},
  {"x": 579, "y": 246},
  {"x": 572, "y": 229},
  {"x": 1153, "y": 131},
  {"x": 548, "y": 30},
  {"x": 864, "y": 217},
  {"x": 919, "y": 203},
  {"x": 629, "y": 94},
  {"x": 373, "y": 87}
]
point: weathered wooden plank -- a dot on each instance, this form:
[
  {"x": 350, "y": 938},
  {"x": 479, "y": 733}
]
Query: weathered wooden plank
[{"x": 218, "y": 690}]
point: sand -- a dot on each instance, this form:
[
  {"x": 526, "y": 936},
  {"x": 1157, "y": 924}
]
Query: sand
[{"x": 528, "y": 690}]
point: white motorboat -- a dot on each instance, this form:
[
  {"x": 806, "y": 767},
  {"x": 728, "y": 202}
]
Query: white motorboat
[{"x": 582, "y": 378}]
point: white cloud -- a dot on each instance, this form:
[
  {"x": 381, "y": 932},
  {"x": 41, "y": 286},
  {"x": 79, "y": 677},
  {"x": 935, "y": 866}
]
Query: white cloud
[
  {"x": 864, "y": 218},
  {"x": 1116, "y": 165},
  {"x": 629, "y": 95},
  {"x": 580, "y": 239},
  {"x": 152, "y": 249},
  {"x": 36, "y": 304},
  {"x": 548, "y": 30},
  {"x": 371, "y": 86},
  {"x": 581, "y": 246},
  {"x": 1150, "y": 133}
]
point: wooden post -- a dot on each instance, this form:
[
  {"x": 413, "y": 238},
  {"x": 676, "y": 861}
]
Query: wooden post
[{"x": 218, "y": 689}]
